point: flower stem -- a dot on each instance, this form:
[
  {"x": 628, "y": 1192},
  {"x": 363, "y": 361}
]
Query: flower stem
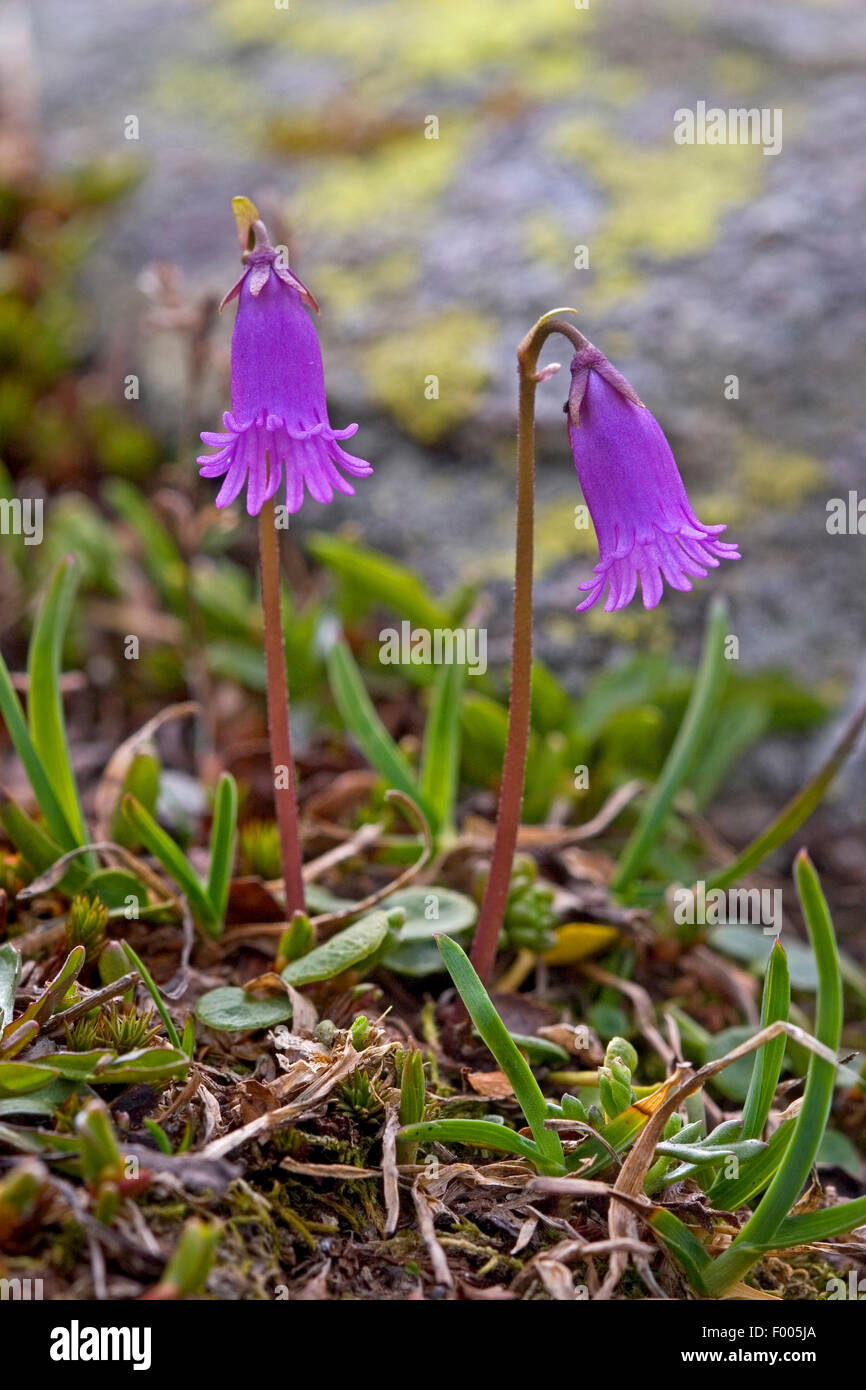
[
  {"x": 517, "y": 740},
  {"x": 278, "y": 714}
]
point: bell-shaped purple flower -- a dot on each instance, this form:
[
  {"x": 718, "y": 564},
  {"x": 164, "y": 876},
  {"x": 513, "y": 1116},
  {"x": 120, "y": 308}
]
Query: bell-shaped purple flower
[
  {"x": 279, "y": 417},
  {"x": 642, "y": 516}
]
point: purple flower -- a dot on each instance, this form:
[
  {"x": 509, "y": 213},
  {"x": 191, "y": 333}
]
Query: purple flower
[
  {"x": 642, "y": 515},
  {"x": 279, "y": 416}
]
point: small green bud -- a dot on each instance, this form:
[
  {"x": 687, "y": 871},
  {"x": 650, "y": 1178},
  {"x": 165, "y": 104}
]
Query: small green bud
[
  {"x": 101, "y": 1159},
  {"x": 187, "y": 1271},
  {"x": 325, "y": 1031},
  {"x": 573, "y": 1108},
  {"x": 614, "y": 1088},
  {"x": 360, "y": 1032},
  {"x": 595, "y": 1116},
  {"x": 297, "y": 940},
  {"x": 621, "y": 1048},
  {"x": 413, "y": 1098}
]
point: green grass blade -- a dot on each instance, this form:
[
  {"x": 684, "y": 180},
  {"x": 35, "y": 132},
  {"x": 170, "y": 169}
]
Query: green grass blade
[
  {"x": 150, "y": 985},
  {"x": 760, "y": 1230},
  {"x": 683, "y": 1245},
  {"x": 36, "y": 846},
  {"x": 225, "y": 819},
  {"x": 482, "y": 1134},
  {"x": 793, "y": 815},
  {"x": 730, "y": 1194},
  {"x": 501, "y": 1044},
  {"x": 768, "y": 1064},
  {"x": 45, "y": 702},
  {"x": 379, "y": 579},
  {"x": 174, "y": 861},
  {"x": 821, "y": 1225},
  {"x": 362, "y": 721},
  {"x": 686, "y": 747},
  {"x": 16, "y": 726},
  {"x": 440, "y": 760}
]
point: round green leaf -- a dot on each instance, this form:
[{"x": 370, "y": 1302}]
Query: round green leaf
[
  {"x": 115, "y": 886},
  {"x": 428, "y": 910},
  {"x": 233, "y": 1010}
]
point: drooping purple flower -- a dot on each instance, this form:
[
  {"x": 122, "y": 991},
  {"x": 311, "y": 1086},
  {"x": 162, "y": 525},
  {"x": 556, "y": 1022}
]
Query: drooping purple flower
[
  {"x": 279, "y": 417},
  {"x": 642, "y": 516}
]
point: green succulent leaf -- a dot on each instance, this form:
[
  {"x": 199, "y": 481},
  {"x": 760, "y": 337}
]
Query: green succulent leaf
[
  {"x": 348, "y": 949},
  {"x": 231, "y": 1010}
]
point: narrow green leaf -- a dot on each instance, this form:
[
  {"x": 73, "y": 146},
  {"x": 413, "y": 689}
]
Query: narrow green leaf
[
  {"x": 482, "y": 1134},
  {"x": 45, "y": 702},
  {"x": 686, "y": 747},
  {"x": 786, "y": 1185},
  {"x": 730, "y": 1194},
  {"x": 45, "y": 1004},
  {"x": 17, "y": 1078},
  {"x": 153, "y": 990},
  {"x": 16, "y": 727},
  {"x": 225, "y": 818},
  {"x": 362, "y": 721},
  {"x": 683, "y": 1245},
  {"x": 175, "y": 863},
  {"x": 821, "y": 1225},
  {"x": 10, "y": 973},
  {"x": 38, "y": 849},
  {"x": 440, "y": 759},
  {"x": 768, "y": 1064},
  {"x": 792, "y": 816},
  {"x": 501, "y": 1044}
]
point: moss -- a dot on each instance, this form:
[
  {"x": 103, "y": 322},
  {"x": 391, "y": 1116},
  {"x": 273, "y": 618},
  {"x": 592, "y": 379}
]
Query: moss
[{"x": 453, "y": 347}]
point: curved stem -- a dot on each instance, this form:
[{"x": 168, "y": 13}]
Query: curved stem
[
  {"x": 517, "y": 740},
  {"x": 278, "y": 714}
]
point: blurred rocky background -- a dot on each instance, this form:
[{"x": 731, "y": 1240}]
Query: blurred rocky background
[{"x": 552, "y": 178}]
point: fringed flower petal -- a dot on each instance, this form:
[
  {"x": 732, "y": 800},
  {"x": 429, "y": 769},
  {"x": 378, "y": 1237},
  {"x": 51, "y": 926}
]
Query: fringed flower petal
[
  {"x": 278, "y": 426},
  {"x": 644, "y": 522}
]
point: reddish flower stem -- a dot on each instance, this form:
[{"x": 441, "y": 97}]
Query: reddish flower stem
[
  {"x": 517, "y": 740},
  {"x": 278, "y": 713}
]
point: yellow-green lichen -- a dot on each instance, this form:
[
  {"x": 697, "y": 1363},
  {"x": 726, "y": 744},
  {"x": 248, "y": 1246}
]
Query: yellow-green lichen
[
  {"x": 385, "y": 187},
  {"x": 429, "y": 376},
  {"x": 664, "y": 201},
  {"x": 775, "y": 477},
  {"x": 441, "y": 40}
]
